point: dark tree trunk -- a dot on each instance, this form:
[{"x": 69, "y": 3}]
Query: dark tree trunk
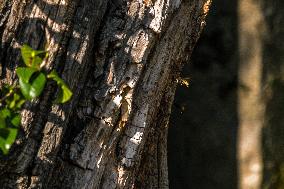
[
  {"x": 273, "y": 84},
  {"x": 121, "y": 59}
]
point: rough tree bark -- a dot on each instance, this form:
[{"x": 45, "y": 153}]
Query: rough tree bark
[{"x": 121, "y": 59}]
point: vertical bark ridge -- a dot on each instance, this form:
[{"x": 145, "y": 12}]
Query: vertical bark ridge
[
  {"x": 65, "y": 14},
  {"x": 119, "y": 70},
  {"x": 152, "y": 172},
  {"x": 86, "y": 23},
  {"x": 149, "y": 94}
]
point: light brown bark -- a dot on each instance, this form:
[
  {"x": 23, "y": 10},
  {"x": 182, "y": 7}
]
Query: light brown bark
[
  {"x": 121, "y": 59},
  {"x": 250, "y": 105}
]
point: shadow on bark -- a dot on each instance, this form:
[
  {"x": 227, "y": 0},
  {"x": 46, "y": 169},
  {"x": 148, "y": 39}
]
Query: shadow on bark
[{"x": 26, "y": 162}]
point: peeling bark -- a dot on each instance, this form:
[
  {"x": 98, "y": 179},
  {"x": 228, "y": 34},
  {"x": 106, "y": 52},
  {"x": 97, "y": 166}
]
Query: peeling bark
[{"x": 121, "y": 60}]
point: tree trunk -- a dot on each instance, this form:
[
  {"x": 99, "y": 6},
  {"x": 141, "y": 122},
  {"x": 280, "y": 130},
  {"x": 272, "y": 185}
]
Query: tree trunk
[
  {"x": 273, "y": 89},
  {"x": 121, "y": 59},
  {"x": 250, "y": 94}
]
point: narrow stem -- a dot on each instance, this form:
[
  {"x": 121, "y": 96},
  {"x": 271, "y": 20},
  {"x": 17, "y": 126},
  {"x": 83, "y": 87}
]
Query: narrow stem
[
  {"x": 10, "y": 93},
  {"x": 6, "y": 96}
]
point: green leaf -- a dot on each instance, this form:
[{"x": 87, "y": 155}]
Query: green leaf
[
  {"x": 37, "y": 62},
  {"x": 12, "y": 101},
  {"x": 20, "y": 103},
  {"x": 4, "y": 114},
  {"x": 65, "y": 93},
  {"x": 27, "y": 54},
  {"x": 8, "y": 87},
  {"x": 3, "y": 146},
  {"x": 33, "y": 88},
  {"x": 31, "y": 57},
  {"x": 7, "y": 141},
  {"x": 4, "y": 133},
  {"x": 2, "y": 122},
  {"x": 15, "y": 101},
  {"x": 16, "y": 120},
  {"x": 7, "y": 134},
  {"x": 25, "y": 73},
  {"x": 12, "y": 136},
  {"x": 5, "y": 90}
]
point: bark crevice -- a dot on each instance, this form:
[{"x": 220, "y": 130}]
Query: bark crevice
[{"x": 120, "y": 59}]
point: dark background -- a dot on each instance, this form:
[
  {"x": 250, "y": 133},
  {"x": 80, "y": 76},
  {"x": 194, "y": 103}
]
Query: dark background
[{"x": 204, "y": 124}]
